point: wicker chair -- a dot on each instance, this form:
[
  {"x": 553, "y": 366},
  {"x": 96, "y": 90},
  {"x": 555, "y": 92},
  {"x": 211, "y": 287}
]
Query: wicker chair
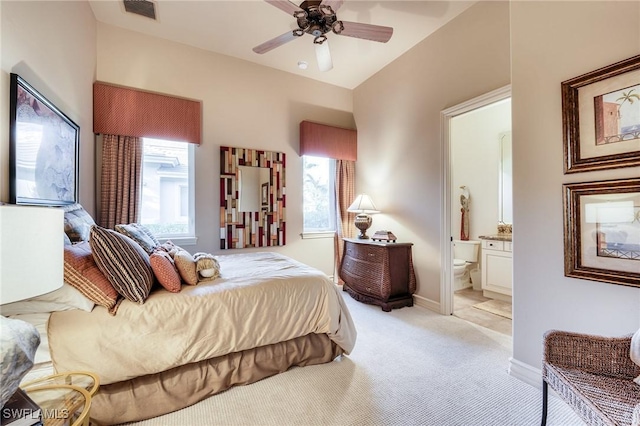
[{"x": 594, "y": 375}]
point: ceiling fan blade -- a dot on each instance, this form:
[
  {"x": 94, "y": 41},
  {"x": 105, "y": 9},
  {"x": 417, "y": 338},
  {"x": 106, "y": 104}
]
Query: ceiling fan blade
[
  {"x": 285, "y": 5},
  {"x": 333, "y": 4},
  {"x": 364, "y": 31},
  {"x": 275, "y": 42},
  {"x": 323, "y": 56}
]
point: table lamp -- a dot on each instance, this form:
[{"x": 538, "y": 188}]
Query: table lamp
[
  {"x": 31, "y": 264},
  {"x": 364, "y": 207}
]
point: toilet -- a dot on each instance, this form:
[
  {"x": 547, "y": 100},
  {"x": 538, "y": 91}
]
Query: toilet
[{"x": 465, "y": 257}]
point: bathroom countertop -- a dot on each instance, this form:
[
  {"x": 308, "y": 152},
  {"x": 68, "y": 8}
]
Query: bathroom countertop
[{"x": 497, "y": 237}]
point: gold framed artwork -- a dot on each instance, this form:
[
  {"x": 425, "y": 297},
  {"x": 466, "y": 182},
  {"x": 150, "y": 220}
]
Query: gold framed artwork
[
  {"x": 601, "y": 118},
  {"x": 602, "y": 231}
]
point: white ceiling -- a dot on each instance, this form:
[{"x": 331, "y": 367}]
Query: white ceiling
[{"x": 234, "y": 27}]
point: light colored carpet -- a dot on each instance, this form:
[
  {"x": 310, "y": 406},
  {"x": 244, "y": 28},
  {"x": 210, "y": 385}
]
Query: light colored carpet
[
  {"x": 410, "y": 366},
  {"x": 497, "y": 307}
]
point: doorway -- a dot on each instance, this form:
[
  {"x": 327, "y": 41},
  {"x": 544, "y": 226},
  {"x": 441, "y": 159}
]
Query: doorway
[{"x": 472, "y": 136}]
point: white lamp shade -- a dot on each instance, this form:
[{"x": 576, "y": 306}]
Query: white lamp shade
[
  {"x": 363, "y": 204},
  {"x": 31, "y": 251},
  {"x": 323, "y": 56}
]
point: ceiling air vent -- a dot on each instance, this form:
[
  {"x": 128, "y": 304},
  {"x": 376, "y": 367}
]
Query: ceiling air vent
[{"x": 141, "y": 7}]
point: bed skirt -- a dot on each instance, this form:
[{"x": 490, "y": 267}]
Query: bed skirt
[{"x": 156, "y": 394}]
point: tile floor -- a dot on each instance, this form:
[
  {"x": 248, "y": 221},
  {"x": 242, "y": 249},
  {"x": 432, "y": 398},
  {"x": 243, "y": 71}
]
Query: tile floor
[{"x": 463, "y": 301}]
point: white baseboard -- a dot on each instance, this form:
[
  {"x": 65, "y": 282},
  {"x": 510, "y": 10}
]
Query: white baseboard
[
  {"x": 426, "y": 303},
  {"x": 525, "y": 372}
]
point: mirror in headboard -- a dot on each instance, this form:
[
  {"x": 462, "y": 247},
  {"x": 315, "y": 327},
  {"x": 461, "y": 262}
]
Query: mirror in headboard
[{"x": 252, "y": 198}]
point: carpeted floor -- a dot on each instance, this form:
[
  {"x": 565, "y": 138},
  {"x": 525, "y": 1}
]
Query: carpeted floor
[{"x": 410, "y": 366}]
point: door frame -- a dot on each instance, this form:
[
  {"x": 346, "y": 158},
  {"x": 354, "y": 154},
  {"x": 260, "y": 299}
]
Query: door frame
[{"x": 446, "y": 246}]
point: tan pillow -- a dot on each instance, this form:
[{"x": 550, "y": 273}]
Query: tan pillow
[
  {"x": 635, "y": 351},
  {"x": 186, "y": 267}
]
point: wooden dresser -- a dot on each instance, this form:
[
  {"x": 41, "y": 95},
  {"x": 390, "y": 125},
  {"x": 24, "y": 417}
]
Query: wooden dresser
[{"x": 378, "y": 273}]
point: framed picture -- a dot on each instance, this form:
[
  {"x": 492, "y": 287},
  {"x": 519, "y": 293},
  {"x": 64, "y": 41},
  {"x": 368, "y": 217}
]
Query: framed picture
[
  {"x": 264, "y": 194},
  {"x": 602, "y": 231},
  {"x": 43, "y": 153},
  {"x": 601, "y": 118}
]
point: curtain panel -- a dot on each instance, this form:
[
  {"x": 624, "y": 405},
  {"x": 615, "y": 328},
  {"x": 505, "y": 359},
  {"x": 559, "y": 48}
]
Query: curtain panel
[
  {"x": 321, "y": 140},
  {"x": 131, "y": 112},
  {"x": 345, "y": 193},
  {"x": 120, "y": 180}
]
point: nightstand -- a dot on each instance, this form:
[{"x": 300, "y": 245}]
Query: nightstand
[
  {"x": 65, "y": 398},
  {"x": 378, "y": 273}
]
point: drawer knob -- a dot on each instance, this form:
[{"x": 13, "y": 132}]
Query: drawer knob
[
  {"x": 371, "y": 254},
  {"x": 368, "y": 288}
]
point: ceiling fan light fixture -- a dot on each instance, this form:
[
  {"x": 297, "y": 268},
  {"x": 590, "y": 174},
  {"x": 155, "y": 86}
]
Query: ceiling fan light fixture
[{"x": 323, "y": 56}]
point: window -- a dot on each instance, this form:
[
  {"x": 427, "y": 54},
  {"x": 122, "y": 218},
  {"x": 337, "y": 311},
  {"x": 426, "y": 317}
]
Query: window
[
  {"x": 319, "y": 206},
  {"x": 167, "y": 205}
]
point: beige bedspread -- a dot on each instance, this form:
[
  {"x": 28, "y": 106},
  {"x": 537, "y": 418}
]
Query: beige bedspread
[{"x": 260, "y": 299}]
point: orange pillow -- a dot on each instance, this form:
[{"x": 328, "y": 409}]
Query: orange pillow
[
  {"x": 165, "y": 270},
  {"x": 81, "y": 272}
]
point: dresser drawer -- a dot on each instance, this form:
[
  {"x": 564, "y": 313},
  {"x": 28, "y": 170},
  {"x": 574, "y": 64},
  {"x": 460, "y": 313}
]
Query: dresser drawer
[
  {"x": 362, "y": 275},
  {"x": 367, "y": 253}
]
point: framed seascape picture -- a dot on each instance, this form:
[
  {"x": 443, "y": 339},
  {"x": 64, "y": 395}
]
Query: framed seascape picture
[
  {"x": 602, "y": 231},
  {"x": 601, "y": 118},
  {"x": 43, "y": 154}
]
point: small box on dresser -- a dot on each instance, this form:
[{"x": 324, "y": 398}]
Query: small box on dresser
[{"x": 378, "y": 273}]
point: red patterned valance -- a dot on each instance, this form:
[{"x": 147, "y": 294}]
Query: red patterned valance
[
  {"x": 131, "y": 112},
  {"x": 321, "y": 140}
]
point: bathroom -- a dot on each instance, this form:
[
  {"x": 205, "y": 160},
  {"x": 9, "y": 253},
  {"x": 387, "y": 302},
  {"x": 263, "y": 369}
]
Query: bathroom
[{"x": 481, "y": 215}]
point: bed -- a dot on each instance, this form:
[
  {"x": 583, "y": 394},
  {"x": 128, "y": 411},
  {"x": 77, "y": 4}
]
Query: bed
[{"x": 263, "y": 315}]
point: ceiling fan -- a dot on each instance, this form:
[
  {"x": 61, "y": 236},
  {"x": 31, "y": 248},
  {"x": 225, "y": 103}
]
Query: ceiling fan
[{"x": 318, "y": 18}]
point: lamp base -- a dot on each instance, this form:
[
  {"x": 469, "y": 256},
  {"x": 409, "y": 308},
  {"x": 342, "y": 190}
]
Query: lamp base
[{"x": 363, "y": 222}]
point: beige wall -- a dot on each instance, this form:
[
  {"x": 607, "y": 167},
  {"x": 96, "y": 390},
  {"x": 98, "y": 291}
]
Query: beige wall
[
  {"x": 552, "y": 42},
  {"x": 244, "y": 105},
  {"x": 397, "y": 112},
  {"x": 52, "y": 45}
]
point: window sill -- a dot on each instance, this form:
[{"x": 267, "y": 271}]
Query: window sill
[
  {"x": 181, "y": 241},
  {"x": 312, "y": 235}
]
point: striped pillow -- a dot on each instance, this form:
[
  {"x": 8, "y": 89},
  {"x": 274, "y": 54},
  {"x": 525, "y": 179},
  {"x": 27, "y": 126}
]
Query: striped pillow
[
  {"x": 125, "y": 264},
  {"x": 81, "y": 272}
]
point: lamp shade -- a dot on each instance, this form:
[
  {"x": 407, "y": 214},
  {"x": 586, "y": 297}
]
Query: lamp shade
[
  {"x": 31, "y": 251},
  {"x": 363, "y": 204}
]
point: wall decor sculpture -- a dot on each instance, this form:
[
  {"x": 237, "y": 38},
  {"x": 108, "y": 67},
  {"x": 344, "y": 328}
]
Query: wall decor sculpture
[{"x": 252, "y": 198}]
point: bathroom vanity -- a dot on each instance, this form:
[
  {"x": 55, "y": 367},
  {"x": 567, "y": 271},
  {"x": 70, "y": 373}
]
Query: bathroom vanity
[{"x": 497, "y": 266}]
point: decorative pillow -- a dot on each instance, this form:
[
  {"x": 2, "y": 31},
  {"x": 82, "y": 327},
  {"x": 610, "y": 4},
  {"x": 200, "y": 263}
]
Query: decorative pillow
[
  {"x": 81, "y": 272},
  {"x": 18, "y": 343},
  {"x": 125, "y": 264},
  {"x": 141, "y": 235},
  {"x": 207, "y": 266},
  {"x": 62, "y": 299},
  {"x": 186, "y": 266},
  {"x": 77, "y": 222},
  {"x": 165, "y": 270},
  {"x": 635, "y": 351}
]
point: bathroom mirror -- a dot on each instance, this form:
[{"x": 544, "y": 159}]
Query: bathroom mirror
[
  {"x": 505, "y": 191},
  {"x": 252, "y": 198}
]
